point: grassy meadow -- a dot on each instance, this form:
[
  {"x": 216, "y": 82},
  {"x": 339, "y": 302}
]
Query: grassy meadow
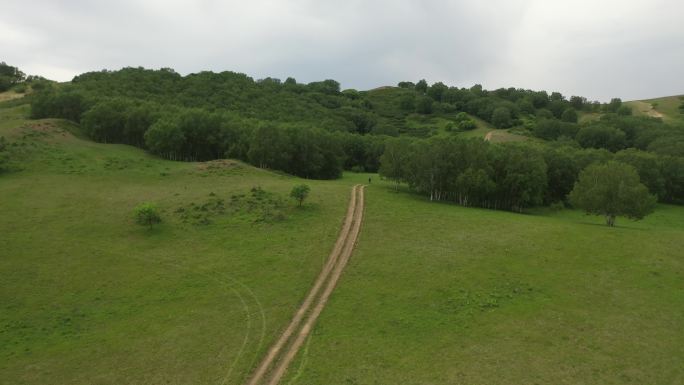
[
  {"x": 434, "y": 293},
  {"x": 89, "y": 297},
  {"x": 440, "y": 294}
]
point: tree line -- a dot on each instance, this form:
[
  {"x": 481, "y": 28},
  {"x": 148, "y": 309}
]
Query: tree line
[
  {"x": 513, "y": 176},
  {"x": 316, "y": 130}
]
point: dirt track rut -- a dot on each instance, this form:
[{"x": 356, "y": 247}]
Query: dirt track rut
[
  {"x": 274, "y": 365},
  {"x": 284, "y": 350}
]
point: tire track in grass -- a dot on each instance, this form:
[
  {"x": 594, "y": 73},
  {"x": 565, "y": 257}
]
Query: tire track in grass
[{"x": 294, "y": 336}]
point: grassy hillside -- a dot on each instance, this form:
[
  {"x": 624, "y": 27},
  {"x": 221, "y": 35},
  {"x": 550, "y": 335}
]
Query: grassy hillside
[
  {"x": 666, "y": 108},
  {"x": 434, "y": 293},
  {"x": 90, "y": 297},
  {"x": 385, "y": 102},
  {"x": 439, "y": 294}
]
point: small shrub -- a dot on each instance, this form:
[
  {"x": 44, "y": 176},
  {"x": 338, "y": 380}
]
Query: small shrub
[
  {"x": 467, "y": 125},
  {"x": 146, "y": 214}
]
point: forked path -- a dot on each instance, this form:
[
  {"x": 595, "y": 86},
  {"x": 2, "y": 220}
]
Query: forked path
[{"x": 280, "y": 355}]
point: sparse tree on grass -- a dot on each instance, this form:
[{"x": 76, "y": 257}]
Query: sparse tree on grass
[
  {"x": 612, "y": 189},
  {"x": 147, "y": 214},
  {"x": 300, "y": 192}
]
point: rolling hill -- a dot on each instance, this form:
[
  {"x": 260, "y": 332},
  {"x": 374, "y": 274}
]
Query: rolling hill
[{"x": 434, "y": 293}]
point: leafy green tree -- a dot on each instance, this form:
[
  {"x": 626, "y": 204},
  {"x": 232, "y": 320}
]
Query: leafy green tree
[
  {"x": 300, "y": 192},
  {"x": 467, "y": 125},
  {"x": 9, "y": 76},
  {"x": 165, "y": 138},
  {"x": 147, "y": 214},
  {"x": 543, "y": 113},
  {"x": 472, "y": 185},
  {"x": 578, "y": 102},
  {"x": 437, "y": 90},
  {"x": 557, "y": 107},
  {"x": 525, "y": 105},
  {"x": 424, "y": 105},
  {"x": 477, "y": 90},
  {"x": 648, "y": 167},
  {"x": 611, "y": 190},
  {"x": 562, "y": 171},
  {"x": 672, "y": 170},
  {"x": 601, "y": 136},
  {"x": 614, "y": 105},
  {"x": 269, "y": 147},
  {"x": 422, "y": 86},
  {"x": 521, "y": 178},
  {"x": 408, "y": 102},
  {"x": 104, "y": 122},
  {"x": 569, "y": 115},
  {"x": 624, "y": 110},
  {"x": 552, "y": 129},
  {"x": 394, "y": 160},
  {"x": 501, "y": 117}
]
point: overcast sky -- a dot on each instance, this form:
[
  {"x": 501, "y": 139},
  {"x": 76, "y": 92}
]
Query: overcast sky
[{"x": 632, "y": 49}]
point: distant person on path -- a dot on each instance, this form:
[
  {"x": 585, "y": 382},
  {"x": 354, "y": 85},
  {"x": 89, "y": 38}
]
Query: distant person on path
[{"x": 369, "y": 180}]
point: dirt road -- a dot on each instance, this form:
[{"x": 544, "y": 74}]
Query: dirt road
[{"x": 280, "y": 355}]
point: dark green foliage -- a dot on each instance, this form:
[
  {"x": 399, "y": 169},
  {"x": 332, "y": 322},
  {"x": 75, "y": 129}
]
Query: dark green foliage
[
  {"x": 4, "y": 154},
  {"x": 147, "y": 214},
  {"x": 299, "y": 193},
  {"x": 9, "y": 76},
  {"x": 647, "y": 166},
  {"x": 672, "y": 172},
  {"x": 601, "y": 136},
  {"x": 464, "y": 122},
  {"x": 612, "y": 189},
  {"x": 614, "y": 105},
  {"x": 107, "y": 122},
  {"x": 424, "y": 105},
  {"x": 501, "y": 117},
  {"x": 437, "y": 90},
  {"x": 314, "y": 130},
  {"x": 408, "y": 103},
  {"x": 578, "y": 102},
  {"x": 624, "y": 111},
  {"x": 569, "y": 115},
  {"x": 68, "y": 103},
  {"x": 551, "y": 129},
  {"x": 526, "y": 106},
  {"x": 562, "y": 170},
  {"x": 421, "y": 86},
  {"x": 543, "y": 113},
  {"x": 468, "y": 172}
]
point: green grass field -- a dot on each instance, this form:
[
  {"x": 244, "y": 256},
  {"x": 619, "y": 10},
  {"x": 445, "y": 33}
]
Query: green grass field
[
  {"x": 88, "y": 296},
  {"x": 434, "y": 293},
  {"x": 440, "y": 294}
]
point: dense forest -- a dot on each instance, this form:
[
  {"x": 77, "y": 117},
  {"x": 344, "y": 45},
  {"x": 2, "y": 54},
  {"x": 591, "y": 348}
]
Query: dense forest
[{"x": 316, "y": 130}]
